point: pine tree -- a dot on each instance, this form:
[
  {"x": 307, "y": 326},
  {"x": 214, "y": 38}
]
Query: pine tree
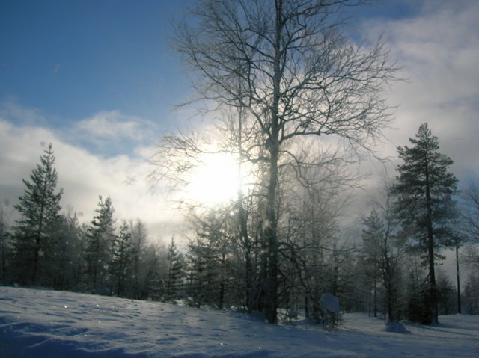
[
  {"x": 100, "y": 239},
  {"x": 155, "y": 264},
  {"x": 138, "y": 233},
  {"x": 66, "y": 262},
  {"x": 39, "y": 208},
  {"x": 121, "y": 259},
  {"x": 210, "y": 256},
  {"x": 175, "y": 271},
  {"x": 424, "y": 196}
]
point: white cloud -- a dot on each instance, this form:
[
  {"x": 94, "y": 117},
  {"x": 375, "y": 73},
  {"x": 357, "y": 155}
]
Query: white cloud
[
  {"x": 438, "y": 51},
  {"x": 11, "y": 111},
  {"x": 107, "y": 125},
  {"x": 84, "y": 176}
]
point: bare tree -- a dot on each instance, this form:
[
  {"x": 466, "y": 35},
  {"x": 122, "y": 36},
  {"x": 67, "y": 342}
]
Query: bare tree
[
  {"x": 310, "y": 206},
  {"x": 300, "y": 76}
]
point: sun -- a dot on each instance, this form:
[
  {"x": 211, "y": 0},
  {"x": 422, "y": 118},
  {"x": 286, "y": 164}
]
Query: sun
[{"x": 216, "y": 180}]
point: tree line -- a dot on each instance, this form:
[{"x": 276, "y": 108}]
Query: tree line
[
  {"x": 46, "y": 247},
  {"x": 389, "y": 269}
]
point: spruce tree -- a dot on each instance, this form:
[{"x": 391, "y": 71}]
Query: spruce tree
[
  {"x": 209, "y": 256},
  {"x": 66, "y": 261},
  {"x": 424, "y": 202},
  {"x": 138, "y": 236},
  {"x": 175, "y": 271},
  {"x": 100, "y": 239},
  {"x": 5, "y": 249},
  {"x": 121, "y": 259},
  {"x": 39, "y": 208},
  {"x": 154, "y": 262}
]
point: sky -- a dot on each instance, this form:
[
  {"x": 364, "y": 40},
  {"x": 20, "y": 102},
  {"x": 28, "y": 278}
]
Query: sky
[{"x": 100, "y": 79}]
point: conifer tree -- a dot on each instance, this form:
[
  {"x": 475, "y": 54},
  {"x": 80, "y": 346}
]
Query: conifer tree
[
  {"x": 66, "y": 262},
  {"x": 210, "y": 255},
  {"x": 121, "y": 258},
  {"x": 39, "y": 208},
  {"x": 5, "y": 249},
  {"x": 138, "y": 236},
  {"x": 424, "y": 201},
  {"x": 175, "y": 271},
  {"x": 100, "y": 239},
  {"x": 154, "y": 261}
]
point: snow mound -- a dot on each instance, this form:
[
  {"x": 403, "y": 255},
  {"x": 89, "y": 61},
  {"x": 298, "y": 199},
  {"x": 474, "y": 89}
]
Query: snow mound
[
  {"x": 396, "y": 327},
  {"x": 329, "y": 303}
]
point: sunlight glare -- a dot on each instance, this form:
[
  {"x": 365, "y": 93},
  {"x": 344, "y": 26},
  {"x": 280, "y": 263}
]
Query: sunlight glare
[{"x": 216, "y": 180}]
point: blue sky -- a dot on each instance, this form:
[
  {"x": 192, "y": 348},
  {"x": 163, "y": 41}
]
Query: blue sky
[{"x": 71, "y": 59}]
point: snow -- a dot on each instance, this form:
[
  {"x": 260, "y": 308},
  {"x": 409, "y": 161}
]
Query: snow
[
  {"x": 41, "y": 323},
  {"x": 396, "y": 327}
]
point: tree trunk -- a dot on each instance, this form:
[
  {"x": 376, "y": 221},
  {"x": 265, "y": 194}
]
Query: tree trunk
[
  {"x": 306, "y": 306},
  {"x": 3, "y": 248},
  {"x": 222, "y": 284},
  {"x": 243, "y": 218},
  {"x": 389, "y": 290},
  {"x": 37, "y": 244},
  {"x": 375, "y": 305},
  {"x": 272, "y": 240},
  {"x": 271, "y": 224},
  {"x": 430, "y": 238},
  {"x": 458, "y": 277},
  {"x": 136, "y": 270}
]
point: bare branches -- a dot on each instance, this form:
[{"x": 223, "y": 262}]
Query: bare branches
[
  {"x": 286, "y": 66},
  {"x": 328, "y": 84},
  {"x": 175, "y": 157}
]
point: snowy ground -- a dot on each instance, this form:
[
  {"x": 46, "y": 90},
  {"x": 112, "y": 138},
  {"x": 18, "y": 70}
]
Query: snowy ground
[{"x": 39, "y": 323}]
